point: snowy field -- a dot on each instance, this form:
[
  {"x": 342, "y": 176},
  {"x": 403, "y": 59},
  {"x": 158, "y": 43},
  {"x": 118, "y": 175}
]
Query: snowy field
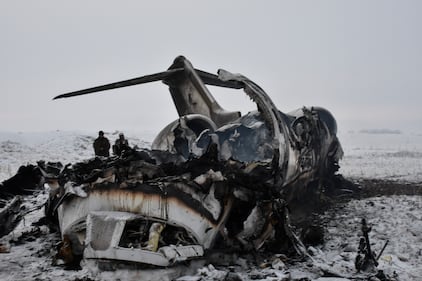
[
  {"x": 379, "y": 155},
  {"x": 374, "y": 154}
]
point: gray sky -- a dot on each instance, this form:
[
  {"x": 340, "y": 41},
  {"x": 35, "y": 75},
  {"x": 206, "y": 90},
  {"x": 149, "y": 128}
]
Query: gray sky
[{"x": 359, "y": 59}]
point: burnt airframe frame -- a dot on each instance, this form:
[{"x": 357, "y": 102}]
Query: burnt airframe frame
[{"x": 263, "y": 160}]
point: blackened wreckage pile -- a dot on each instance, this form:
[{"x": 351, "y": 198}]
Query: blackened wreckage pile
[{"x": 213, "y": 179}]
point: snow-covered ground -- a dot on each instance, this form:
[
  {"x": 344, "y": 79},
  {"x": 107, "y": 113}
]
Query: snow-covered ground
[
  {"x": 371, "y": 154},
  {"x": 378, "y": 154}
]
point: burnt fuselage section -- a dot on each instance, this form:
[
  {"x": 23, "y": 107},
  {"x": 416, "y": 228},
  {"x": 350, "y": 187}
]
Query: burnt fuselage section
[{"x": 210, "y": 177}]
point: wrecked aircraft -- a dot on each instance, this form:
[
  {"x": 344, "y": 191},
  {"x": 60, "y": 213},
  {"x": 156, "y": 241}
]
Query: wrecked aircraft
[{"x": 212, "y": 179}]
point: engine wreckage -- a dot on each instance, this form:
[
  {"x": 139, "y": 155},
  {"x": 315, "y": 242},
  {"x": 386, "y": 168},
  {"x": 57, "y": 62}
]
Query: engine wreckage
[{"x": 213, "y": 179}]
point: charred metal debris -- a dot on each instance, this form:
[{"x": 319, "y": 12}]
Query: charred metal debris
[
  {"x": 213, "y": 179},
  {"x": 367, "y": 258},
  {"x": 27, "y": 180}
]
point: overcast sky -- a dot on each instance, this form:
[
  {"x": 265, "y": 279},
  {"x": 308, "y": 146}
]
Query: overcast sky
[{"x": 359, "y": 59}]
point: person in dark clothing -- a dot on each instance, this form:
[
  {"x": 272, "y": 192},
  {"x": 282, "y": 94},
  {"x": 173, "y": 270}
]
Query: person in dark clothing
[
  {"x": 120, "y": 145},
  {"x": 101, "y": 145}
]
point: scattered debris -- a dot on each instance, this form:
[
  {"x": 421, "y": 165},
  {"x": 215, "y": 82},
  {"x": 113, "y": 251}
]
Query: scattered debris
[
  {"x": 10, "y": 213},
  {"x": 366, "y": 259},
  {"x": 27, "y": 180}
]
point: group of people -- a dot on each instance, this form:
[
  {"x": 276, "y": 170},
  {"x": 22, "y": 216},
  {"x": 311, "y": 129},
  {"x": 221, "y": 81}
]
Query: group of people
[{"x": 102, "y": 145}]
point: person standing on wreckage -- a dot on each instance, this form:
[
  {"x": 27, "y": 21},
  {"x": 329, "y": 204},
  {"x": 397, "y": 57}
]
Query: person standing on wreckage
[
  {"x": 120, "y": 145},
  {"x": 101, "y": 145}
]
